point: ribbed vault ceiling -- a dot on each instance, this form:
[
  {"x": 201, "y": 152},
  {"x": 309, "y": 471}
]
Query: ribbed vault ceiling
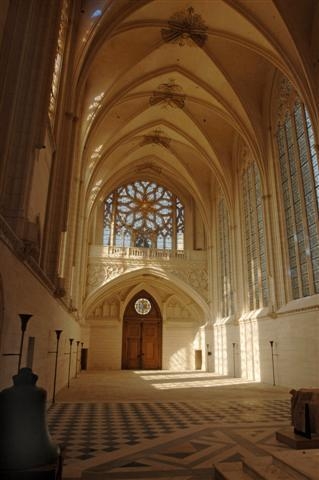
[{"x": 123, "y": 63}]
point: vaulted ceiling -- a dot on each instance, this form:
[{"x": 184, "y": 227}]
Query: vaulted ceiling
[{"x": 168, "y": 88}]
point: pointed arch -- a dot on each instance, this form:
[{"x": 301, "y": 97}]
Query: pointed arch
[{"x": 142, "y": 333}]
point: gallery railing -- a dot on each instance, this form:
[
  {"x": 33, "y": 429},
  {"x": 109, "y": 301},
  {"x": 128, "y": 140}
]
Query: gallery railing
[
  {"x": 136, "y": 252},
  {"x": 106, "y": 263}
]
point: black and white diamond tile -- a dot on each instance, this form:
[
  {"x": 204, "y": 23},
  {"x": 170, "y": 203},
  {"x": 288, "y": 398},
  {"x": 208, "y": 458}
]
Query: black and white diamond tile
[{"x": 89, "y": 430}]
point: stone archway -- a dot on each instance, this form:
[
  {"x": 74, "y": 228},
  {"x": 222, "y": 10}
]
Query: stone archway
[{"x": 142, "y": 334}]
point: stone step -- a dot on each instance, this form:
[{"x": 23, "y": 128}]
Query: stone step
[
  {"x": 230, "y": 471},
  {"x": 280, "y": 466},
  {"x": 266, "y": 468},
  {"x": 303, "y": 464}
]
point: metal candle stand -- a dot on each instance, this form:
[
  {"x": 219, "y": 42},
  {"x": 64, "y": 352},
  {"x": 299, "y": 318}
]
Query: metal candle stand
[
  {"x": 24, "y": 317},
  {"x": 70, "y": 353},
  {"x": 82, "y": 344},
  {"x": 77, "y": 360},
  {"x": 58, "y": 335},
  {"x": 272, "y": 361},
  {"x": 234, "y": 358}
]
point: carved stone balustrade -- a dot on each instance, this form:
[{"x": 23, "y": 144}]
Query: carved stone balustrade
[{"x": 106, "y": 263}]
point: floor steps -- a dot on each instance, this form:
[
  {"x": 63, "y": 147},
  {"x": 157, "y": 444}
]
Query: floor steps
[
  {"x": 230, "y": 471},
  {"x": 289, "y": 465},
  {"x": 304, "y": 463}
]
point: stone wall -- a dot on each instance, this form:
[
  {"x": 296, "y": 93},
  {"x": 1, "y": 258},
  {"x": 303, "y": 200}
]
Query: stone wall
[{"x": 24, "y": 293}]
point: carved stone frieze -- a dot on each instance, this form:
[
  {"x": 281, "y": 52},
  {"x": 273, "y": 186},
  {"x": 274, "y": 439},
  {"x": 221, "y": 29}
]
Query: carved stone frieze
[
  {"x": 105, "y": 311},
  {"x": 197, "y": 278},
  {"x": 101, "y": 271}
]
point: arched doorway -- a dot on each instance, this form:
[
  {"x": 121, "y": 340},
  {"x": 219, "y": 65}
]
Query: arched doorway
[{"x": 142, "y": 334}]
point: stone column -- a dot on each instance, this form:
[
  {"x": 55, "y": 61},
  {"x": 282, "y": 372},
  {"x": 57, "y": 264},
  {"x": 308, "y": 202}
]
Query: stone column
[{"x": 26, "y": 62}]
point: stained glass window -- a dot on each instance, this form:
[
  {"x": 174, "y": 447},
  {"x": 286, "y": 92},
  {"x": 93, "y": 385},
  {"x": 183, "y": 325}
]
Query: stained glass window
[
  {"x": 224, "y": 261},
  {"x": 299, "y": 175},
  {"x": 144, "y": 214},
  {"x": 256, "y": 256},
  {"x": 142, "y": 306}
]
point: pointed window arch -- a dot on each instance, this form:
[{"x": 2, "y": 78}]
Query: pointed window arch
[
  {"x": 299, "y": 178},
  {"x": 143, "y": 214}
]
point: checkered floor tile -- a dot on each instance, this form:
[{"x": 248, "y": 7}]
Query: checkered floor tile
[{"x": 91, "y": 429}]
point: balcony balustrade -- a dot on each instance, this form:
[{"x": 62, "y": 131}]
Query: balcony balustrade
[
  {"x": 102, "y": 251},
  {"x": 108, "y": 262}
]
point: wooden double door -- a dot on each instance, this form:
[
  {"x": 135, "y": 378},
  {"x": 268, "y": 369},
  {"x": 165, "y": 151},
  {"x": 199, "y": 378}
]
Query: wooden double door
[{"x": 142, "y": 337}]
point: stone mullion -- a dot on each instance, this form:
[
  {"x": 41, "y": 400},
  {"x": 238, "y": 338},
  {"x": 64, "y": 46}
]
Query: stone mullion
[
  {"x": 303, "y": 208},
  {"x": 293, "y": 218},
  {"x": 174, "y": 223},
  {"x": 228, "y": 264},
  {"x": 252, "y": 293},
  {"x": 220, "y": 267},
  {"x": 314, "y": 202},
  {"x": 224, "y": 264},
  {"x": 222, "y": 261},
  {"x": 248, "y": 233},
  {"x": 258, "y": 293},
  {"x": 27, "y": 62},
  {"x": 113, "y": 220}
]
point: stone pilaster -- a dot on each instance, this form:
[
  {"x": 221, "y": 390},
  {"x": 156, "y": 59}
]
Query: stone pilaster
[{"x": 26, "y": 62}]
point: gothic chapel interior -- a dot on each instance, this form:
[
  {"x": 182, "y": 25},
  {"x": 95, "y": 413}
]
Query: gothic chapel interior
[{"x": 159, "y": 186}]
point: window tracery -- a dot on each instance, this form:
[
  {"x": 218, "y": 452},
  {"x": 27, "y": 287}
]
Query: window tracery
[
  {"x": 224, "y": 260},
  {"x": 256, "y": 257},
  {"x": 58, "y": 60},
  {"x": 143, "y": 214},
  {"x": 299, "y": 176}
]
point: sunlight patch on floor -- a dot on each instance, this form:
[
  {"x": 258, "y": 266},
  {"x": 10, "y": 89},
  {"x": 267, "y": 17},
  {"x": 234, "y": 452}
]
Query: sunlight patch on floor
[
  {"x": 168, "y": 376},
  {"x": 200, "y": 383},
  {"x": 188, "y": 380}
]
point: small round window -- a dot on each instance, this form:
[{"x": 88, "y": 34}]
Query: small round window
[{"x": 143, "y": 306}]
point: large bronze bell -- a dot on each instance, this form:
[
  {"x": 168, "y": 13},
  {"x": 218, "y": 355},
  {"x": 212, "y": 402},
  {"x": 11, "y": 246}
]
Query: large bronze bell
[{"x": 25, "y": 443}]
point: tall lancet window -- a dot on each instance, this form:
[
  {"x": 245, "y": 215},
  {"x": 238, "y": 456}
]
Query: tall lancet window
[
  {"x": 299, "y": 176},
  {"x": 58, "y": 60},
  {"x": 144, "y": 214},
  {"x": 225, "y": 273},
  {"x": 254, "y": 228}
]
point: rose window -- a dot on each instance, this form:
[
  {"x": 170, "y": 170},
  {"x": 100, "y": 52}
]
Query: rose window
[{"x": 144, "y": 214}]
